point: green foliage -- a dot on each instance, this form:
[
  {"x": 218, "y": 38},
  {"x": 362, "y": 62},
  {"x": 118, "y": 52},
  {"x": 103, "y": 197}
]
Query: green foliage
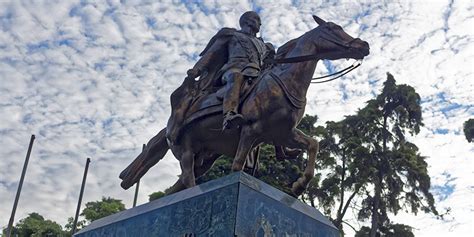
[
  {"x": 397, "y": 171},
  {"x": 34, "y": 225},
  {"x": 156, "y": 195},
  {"x": 367, "y": 156},
  {"x": 363, "y": 232},
  {"x": 222, "y": 167},
  {"x": 99, "y": 209},
  {"x": 343, "y": 164},
  {"x": 393, "y": 230},
  {"x": 278, "y": 173},
  {"x": 398, "y": 230},
  {"x": 70, "y": 224},
  {"x": 469, "y": 129}
]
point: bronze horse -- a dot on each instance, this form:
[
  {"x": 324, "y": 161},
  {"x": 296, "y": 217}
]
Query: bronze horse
[{"x": 273, "y": 109}]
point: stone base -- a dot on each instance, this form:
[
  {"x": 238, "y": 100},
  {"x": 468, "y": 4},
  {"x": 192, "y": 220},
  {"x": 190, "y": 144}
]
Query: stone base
[{"x": 235, "y": 205}]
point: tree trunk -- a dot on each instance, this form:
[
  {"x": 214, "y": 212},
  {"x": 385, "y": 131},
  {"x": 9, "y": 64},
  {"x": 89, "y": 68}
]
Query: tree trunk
[
  {"x": 338, "y": 222},
  {"x": 375, "y": 207},
  {"x": 378, "y": 181},
  {"x": 341, "y": 200}
]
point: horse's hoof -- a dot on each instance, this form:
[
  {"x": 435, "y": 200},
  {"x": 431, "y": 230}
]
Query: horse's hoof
[
  {"x": 298, "y": 188},
  {"x": 236, "y": 168},
  {"x": 188, "y": 182}
]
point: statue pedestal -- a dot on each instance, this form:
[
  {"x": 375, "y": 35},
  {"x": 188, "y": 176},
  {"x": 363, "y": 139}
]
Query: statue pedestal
[{"x": 235, "y": 205}]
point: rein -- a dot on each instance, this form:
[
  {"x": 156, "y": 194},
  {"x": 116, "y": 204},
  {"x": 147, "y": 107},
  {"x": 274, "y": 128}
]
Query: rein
[
  {"x": 305, "y": 58},
  {"x": 344, "y": 71}
]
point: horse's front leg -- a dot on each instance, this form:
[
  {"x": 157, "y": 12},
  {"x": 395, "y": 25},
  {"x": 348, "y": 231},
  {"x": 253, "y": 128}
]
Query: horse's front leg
[
  {"x": 247, "y": 139},
  {"x": 300, "y": 140}
]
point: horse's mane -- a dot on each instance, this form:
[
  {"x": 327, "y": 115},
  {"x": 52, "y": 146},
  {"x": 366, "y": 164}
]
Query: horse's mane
[{"x": 286, "y": 48}]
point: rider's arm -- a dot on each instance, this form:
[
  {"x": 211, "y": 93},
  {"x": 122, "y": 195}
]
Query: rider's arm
[
  {"x": 207, "y": 58},
  {"x": 269, "y": 55}
]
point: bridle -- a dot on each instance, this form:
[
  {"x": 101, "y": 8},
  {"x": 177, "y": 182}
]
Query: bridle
[
  {"x": 356, "y": 64},
  {"x": 330, "y": 38}
]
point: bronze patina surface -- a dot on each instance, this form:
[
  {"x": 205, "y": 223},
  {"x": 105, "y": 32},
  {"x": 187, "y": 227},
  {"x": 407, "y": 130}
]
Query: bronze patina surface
[{"x": 261, "y": 102}]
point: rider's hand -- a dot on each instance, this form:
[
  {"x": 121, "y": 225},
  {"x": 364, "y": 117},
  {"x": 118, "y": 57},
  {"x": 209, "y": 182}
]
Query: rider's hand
[{"x": 193, "y": 73}]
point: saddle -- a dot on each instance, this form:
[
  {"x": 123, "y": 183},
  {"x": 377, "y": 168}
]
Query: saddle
[{"x": 186, "y": 109}]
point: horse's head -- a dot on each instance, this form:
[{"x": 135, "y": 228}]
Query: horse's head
[{"x": 334, "y": 43}]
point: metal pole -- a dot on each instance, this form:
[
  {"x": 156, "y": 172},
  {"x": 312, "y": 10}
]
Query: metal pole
[
  {"x": 15, "y": 204},
  {"x": 74, "y": 227},
  {"x": 138, "y": 185},
  {"x": 136, "y": 193}
]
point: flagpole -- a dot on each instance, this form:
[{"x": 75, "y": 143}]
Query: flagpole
[
  {"x": 74, "y": 227},
  {"x": 137, "y": 186},
  {"x": 136, "y": 193},
  {"x": 20, "y": 185}
]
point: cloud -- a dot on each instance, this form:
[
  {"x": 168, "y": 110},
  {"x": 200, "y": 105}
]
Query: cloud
[{"x": 94, "y": 79}]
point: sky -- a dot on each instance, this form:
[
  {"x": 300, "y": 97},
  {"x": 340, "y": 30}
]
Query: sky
[{"x": 93, "y": 79}]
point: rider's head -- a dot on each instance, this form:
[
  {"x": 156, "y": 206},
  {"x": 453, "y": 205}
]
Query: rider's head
[{"x": 250, "y": 20}]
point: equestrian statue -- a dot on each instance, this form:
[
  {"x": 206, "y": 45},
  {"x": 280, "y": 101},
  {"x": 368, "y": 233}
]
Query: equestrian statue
[{"x": 246, "y": 95}]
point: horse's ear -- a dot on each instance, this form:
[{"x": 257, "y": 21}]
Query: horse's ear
[{"x": 319, "y": 20}]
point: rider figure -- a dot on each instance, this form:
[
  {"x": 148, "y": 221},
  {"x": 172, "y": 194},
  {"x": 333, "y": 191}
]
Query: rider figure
[{"x": 246, "y": 54}]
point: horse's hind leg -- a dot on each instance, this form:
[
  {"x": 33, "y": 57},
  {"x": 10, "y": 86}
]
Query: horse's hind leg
[
  {"x": 186, "y": 179},
  {"x": 199, "y": 170},
  {"x": 300, "y": 140}
]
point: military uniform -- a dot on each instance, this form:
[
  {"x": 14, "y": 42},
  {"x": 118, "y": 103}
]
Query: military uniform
[
  {"x": 230, "y": 55},
  {"x": 246, "y": 53}
]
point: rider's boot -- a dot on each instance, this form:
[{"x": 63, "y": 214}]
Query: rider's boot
[{"x": 232, "y": 119}]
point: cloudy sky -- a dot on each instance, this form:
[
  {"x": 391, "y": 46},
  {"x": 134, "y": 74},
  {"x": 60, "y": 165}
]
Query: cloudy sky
[{"x": 93, "y": 79}]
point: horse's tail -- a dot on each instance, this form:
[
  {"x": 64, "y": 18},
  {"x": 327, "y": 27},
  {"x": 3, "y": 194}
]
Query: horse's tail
[{"x": 154, "y": 151}]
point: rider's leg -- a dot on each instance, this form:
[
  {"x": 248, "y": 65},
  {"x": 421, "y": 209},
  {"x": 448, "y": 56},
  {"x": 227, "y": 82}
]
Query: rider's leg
[{"x": 233, "y": 80}]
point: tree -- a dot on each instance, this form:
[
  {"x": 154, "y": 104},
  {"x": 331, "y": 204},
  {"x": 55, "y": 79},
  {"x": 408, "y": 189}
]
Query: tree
[
  {"x": 469, "y": 129},
  {"x": 70, "y": 224},
  {"x": 366, "y": 155},
  {"x": 399, "y": 173},
  {"x": 35, "y": 225},
  {"x": 278, "y": 173},
  {"x": 343, "y": 155},
  {"x": 156, "y": 195},
  {"x": 99, "y": 209},
  {"x": 393, "y": 230},
  {"x": 221, "y": 167}
]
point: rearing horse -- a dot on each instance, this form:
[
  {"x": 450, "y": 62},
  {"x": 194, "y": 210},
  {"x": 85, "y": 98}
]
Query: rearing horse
[{"x": 273, "y": 110}]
